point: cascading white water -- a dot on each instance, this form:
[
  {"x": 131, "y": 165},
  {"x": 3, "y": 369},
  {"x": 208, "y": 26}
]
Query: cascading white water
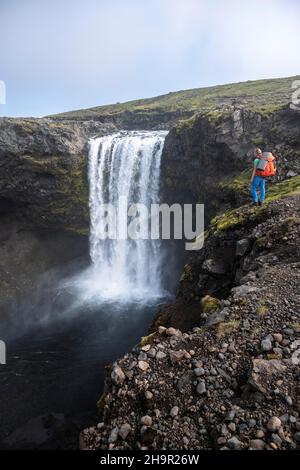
[{"x": 124, "y": 165}]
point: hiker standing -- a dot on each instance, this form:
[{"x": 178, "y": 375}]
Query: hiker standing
[{"x": 264, "y": 167}]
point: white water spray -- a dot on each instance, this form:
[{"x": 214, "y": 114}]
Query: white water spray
[{"x": 127, "y": 165}]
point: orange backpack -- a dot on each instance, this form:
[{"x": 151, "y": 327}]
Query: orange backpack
[{"x": 266, "y": 165}]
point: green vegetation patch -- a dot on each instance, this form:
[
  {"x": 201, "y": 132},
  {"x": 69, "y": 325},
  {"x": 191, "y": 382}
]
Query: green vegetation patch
[
  {"x": 264, "y": 96},
  {"x": 288, "y": 187},
  {"x": 238, "y": 184},
  {"x": 226, "y": 328},
  {"x": 234, "y": 218},
  {"x": 147, "y": 339},
  {"x": 261, "y": 309},
  {"x": 187, "y": 273},
  {"x": 210, "y": 304}
]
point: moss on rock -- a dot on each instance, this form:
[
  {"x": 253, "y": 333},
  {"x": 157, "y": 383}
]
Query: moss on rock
[
  {"x": 288, "y": 187},
  {"x": 59, "y": 195},
  {"x": 187, "y": 273},
  {"x": 210, "y": 304},
  {"x": 147, "y": 339},
  {"x": 234, "y": 218}
]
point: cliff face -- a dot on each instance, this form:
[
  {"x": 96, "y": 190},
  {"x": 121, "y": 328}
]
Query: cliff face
[
  {"x": 43, "y": 162},
  {"x": 43, "y": 197},
  {"x": 43, "y": 172},
  {"x": 204, "y": 156}
]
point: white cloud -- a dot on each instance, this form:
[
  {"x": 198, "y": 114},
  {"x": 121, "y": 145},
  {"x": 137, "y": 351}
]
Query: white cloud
[{"x": 97, "y": 51}]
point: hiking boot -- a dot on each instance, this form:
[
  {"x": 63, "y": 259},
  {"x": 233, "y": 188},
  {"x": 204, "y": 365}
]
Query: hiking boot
[
  {"x": 254, "y": 204},
  {"x": 261, "y": 203}
]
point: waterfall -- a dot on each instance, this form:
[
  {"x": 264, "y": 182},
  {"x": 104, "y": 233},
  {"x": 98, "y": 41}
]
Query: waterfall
[{"x": 124, "y": 165}]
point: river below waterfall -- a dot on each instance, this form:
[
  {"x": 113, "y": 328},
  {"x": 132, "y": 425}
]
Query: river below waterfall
[{"x": 58, "y": 370}]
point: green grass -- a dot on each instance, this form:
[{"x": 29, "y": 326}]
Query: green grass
[
  {"x": 287, "y": 187},
  {"x": 210, "y": 304},
  {"x": 264, "y": 96},
  {"x": 233, "y": 218},
  {"x": 261, "y": 309},
  {"x": 226, "y": 328},
  {"x": 240, "y": 183}
]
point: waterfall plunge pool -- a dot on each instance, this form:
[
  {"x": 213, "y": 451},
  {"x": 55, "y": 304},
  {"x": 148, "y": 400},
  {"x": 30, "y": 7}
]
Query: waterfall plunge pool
[{"x": 55, "y": 370}]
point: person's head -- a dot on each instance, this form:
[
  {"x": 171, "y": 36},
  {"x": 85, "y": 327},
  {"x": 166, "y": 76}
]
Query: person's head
[{"x": 257, "y": 152}]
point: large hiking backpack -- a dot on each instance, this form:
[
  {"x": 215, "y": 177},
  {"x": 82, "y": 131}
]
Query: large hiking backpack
[{"x": 266, "y": 165}]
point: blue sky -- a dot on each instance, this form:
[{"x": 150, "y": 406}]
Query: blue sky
[{"x": 61, "y": 55}]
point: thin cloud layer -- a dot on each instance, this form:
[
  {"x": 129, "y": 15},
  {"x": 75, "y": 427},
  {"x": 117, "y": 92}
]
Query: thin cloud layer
[{"x": 63, "y": 55}]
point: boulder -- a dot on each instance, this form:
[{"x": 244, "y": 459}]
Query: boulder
[
  {"x": 263, "y": 374},
  {"x": 215, "y": 318},
  {"x": 242, "y": 291},
  {"x": 242, "y": 247},
  {"x": 117, "y": 375},
  {"x": 214, "y": 267}
]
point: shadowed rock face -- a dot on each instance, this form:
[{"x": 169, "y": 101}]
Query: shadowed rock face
[
  {"x": 43, "y": 172},
  {"x": 43, "y": 197}
]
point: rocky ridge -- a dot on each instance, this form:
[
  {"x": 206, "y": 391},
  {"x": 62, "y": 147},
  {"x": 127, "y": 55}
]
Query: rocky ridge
[{"x": 231, "y": 382}]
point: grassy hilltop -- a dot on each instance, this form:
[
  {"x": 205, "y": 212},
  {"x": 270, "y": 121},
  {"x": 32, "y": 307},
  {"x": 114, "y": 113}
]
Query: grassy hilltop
[{"x": 261, "y": 95}]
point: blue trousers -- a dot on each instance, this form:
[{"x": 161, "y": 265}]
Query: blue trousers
[{"x": 260, "y": 182}]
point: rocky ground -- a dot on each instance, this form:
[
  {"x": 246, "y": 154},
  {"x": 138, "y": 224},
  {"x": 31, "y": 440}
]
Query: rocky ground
[{"x": 232, "y": 382}]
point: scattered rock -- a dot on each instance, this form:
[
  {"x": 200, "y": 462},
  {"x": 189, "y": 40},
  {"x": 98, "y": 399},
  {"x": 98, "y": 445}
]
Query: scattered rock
[
  {"x": 266, "y": 345},
  {"x": 174, "y": 411},
  {"x": 143, "y": 365},
  {"x": 264, "y": 372},
  {"x": 117, "y": 375},
  {"x": 278, "y": 337},
  {"x": 146, "y": 420},
  {"x": 257, "y": 444},
  {"x": 242, "y": 247},
  {"x": 214, "y": 267},
  {"x": 274, "y": 424},
  {"x": 234, "y": 443},
  {"x": 214, "y": 319},
  {"x": 124, "y": 431},
  {"x": 201, "y": 388},
  {"x": 161, "y": 330},
  {"x": 244, "y": 290},
  {"x": 160, "y": 355},
  {"x": 171, "y": 331},
  {"x": 113, "y": 437}
]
